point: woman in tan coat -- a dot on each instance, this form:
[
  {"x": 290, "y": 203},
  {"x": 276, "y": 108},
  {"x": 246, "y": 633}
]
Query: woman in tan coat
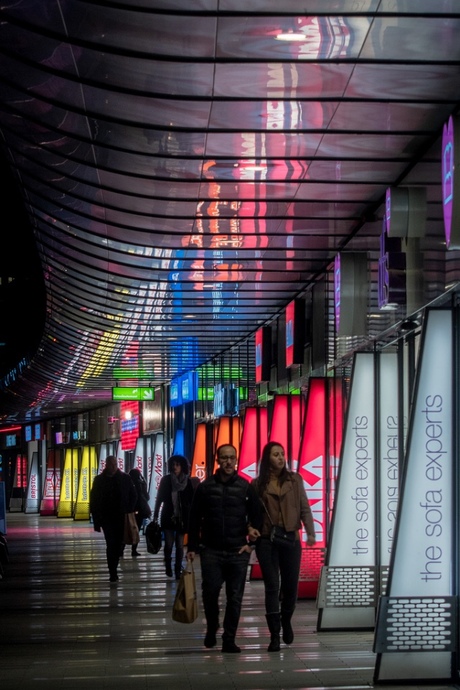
[{"x": 285, "y": 509}]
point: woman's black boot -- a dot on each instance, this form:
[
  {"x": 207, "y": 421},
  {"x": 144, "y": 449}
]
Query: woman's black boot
[
  {"x": 274, "y": 625},
  {"x": 288, "y": 633}
]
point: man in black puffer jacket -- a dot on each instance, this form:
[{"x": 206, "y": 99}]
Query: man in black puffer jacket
[{"x": 224, "y": 518}]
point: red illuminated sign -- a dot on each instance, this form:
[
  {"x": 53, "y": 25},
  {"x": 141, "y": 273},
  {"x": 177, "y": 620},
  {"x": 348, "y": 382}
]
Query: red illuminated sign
[
  {"x": 263, "y": 354},
  {"x": 253, "y": 439},
  {"x": 295, "y": 332},
  {"x": 318, "y": 459},
  {"x": 129, "y": 412},
  {"x": 286, "y": 425}
]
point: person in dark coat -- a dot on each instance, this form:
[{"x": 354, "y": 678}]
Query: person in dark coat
[
  {"x": 112, "y": 495},
  {"x": 174, "y": 498},
  {"x": 224, "y": 518},
  {"x": 142, "y": 508}
]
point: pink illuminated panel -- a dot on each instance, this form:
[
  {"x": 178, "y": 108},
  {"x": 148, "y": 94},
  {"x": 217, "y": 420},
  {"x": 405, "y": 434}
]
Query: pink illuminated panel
[{"x": 253, "y": 439}]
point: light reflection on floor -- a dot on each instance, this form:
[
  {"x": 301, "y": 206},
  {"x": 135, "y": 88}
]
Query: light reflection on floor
[{"x": 63, "y": 627}]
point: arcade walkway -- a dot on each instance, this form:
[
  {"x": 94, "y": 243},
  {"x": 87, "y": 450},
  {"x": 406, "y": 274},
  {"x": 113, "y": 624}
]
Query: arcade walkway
[{"x": 62, "y": 627}]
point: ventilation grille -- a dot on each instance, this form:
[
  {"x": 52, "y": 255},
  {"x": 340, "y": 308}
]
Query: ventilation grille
[
  {"x": 416, "y": 624},
  {"x": 345, "y": 586}
]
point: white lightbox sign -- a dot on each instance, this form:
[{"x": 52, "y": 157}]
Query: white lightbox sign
[
  {"x": 353, "y": 538},
  {"x": 32, "y": 503},
  {"x": 157, "y": 468},
  {"x": 388, "y": 452},
  {"x": 353, "y": 534},
  {"x": 422, "y": 553}
]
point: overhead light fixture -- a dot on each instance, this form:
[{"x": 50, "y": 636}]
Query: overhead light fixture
[{"x": 294, "y": 36}]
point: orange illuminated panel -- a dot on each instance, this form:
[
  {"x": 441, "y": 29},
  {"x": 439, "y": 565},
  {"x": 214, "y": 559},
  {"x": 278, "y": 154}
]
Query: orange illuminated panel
[
  {"x": 198, "y": 468},
  {"x": 228, "y": 431},
  {"x": 253, "y": 439}
]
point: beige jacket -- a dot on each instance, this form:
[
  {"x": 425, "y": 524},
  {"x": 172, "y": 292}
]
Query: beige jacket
[{"x": 289, "y": 506}]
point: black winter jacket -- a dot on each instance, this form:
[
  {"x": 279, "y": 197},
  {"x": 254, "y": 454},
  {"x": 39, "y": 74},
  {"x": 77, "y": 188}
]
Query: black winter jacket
[{"x": 221, "y": 512}]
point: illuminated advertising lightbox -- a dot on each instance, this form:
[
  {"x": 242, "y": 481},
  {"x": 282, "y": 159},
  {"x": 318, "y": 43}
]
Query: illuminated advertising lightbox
[
  {"x": 175, "y": 393},
  {"x": 184, "y": 389},
  {"x": 450, "y": 182},
  {"x": 253, "y": 439},
  {"x": 424, "y": 548},
  {"x": 422, "y": 564},
  {"x": 129, "y": 412},
  {"x": 295, "y": 332},
  {"x": 352, "y": 540},
  {"x": 189, "y": 386},
  {"x": 27, "y": 433},
  {"x": 312, "y": 460},
  {"x": 32, "y": 503},
  {"x": 69, "y": 484},
  {"x": 226, "y": 400},
  {"x": 263, "y": 354},
  {"x": 388, "y": 452}
]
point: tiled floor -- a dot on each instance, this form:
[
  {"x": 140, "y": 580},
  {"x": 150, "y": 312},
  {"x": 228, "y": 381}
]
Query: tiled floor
[{"x": 63, "y": 627}]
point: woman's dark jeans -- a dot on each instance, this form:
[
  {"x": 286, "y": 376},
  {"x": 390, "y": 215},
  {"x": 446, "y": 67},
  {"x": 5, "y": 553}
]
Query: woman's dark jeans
[
  {"x": 173, "y": 538},
  {"x": 280, "y": 568},
  {"x": 218, "y": 567}
]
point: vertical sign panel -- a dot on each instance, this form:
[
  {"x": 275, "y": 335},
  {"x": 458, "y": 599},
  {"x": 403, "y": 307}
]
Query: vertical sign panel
[
  {"x": 69, "y": 485},
  {"x": 352, "y": 539},
  {"x": 157, "y": 468},
  {"x": 33, "y": 492},
  {"x": 263, "y": 354},
  {"x": 253, "y": 439},
  {"x": 423, "y": 555},
  {"x": 52, "y": 484},
  {"x": 198, "y": 468},
  {"x": 87, "y": 473},
  {"x": 312, "y": 469},
  {"x": 388, "y": 452},
  {"x": 286, "y": 424}
]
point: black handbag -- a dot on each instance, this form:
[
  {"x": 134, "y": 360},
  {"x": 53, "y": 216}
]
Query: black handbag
[
  {"x": 278, "y": 535},
  {"x": 153, "y": 537}
]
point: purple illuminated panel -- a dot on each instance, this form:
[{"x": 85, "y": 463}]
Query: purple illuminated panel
[
  {"x": 448, "y": 169},
  {"x": 337, "y": 292}
]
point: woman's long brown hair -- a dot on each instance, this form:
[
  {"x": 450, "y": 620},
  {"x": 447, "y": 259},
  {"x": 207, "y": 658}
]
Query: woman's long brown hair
[{"x": 264, "y": 467}]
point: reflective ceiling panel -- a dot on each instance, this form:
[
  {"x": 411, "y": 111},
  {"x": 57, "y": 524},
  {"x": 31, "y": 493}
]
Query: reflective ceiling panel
[{"x": 189, "y": 166}]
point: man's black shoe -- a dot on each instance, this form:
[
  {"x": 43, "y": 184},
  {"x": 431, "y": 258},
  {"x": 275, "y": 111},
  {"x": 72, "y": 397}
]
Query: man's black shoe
[
  {"x": 230, "y": 648},
  {"x": 210, "y": 640}
]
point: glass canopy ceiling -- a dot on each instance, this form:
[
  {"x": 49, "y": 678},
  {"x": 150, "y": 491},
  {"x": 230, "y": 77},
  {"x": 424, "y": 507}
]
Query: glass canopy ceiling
[{"x": 189, "y": 166}]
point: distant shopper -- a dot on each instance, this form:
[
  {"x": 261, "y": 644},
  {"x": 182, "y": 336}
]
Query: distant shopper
[
  {"x": 142, "y": 507},
  {"x": 286, "y": 506},
  {"x": 174, "y": 498},
  {"x": 113, "y": 494},
  {"x": 223, "y": 519}
]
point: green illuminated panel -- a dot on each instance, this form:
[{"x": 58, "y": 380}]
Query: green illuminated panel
[
  {"x": 133, "y": 393},
  {"x": 125, "y": 373}
]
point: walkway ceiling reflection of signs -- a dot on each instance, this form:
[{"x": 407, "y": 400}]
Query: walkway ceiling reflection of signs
[{"x": 188, "y": 171}]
